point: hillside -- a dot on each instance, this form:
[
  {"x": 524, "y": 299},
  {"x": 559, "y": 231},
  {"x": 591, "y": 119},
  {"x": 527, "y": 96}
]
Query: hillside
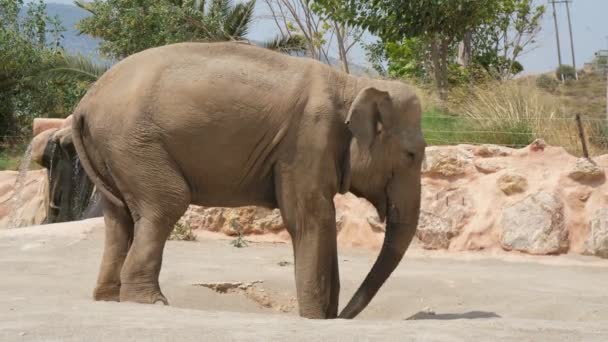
[{"x": 73, "y": 41}]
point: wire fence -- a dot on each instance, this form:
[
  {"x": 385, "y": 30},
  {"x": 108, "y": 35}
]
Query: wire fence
[{"x": 518, "y": 132}]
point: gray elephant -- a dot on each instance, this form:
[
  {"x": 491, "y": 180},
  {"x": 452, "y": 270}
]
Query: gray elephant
[{"x": 228, "y": 125}]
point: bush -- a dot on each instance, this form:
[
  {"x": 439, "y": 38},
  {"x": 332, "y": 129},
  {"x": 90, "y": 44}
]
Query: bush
[
  {"x": 567, "y": 71},
  {"x": 182, "y": 232},
  {"x": 547, "y": 83}
]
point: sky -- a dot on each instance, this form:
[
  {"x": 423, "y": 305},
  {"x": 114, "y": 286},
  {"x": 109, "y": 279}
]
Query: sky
[{"x": 589, "y": 26}]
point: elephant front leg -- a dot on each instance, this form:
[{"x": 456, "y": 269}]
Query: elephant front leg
[{"x": 316, "y": 259}]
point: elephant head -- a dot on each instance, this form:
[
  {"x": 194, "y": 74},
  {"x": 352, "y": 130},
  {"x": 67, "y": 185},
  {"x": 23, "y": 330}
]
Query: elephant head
[{"x": 386, "y": 155}]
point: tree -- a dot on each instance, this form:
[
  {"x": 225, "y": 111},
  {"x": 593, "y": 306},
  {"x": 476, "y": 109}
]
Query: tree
[
  {"x": 507, "y": 36},
  {"x": 37, "y": 78},
  {"x": 25, "y": 48},
  {"x": 437, "y": 23},
  {"x": 130, "y": 26},
  {"x": 297, "y": 18}
]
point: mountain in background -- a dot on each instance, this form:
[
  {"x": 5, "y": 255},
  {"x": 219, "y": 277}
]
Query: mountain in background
[{"x": 73, "y": 42}]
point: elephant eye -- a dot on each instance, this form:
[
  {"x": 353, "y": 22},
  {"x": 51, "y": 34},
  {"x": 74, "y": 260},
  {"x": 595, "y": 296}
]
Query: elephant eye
[{"x": 409, "y": 155}]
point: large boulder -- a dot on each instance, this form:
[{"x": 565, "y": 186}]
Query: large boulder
[
  {"x": 23, "y": 198},
  {"x": 586, "y": 170},
  {"x": 443, "y": 215},
  {"x": 535, "y": 225},
  {"x": 597, "y": 242},
  {"x": 446, "y": 161}
]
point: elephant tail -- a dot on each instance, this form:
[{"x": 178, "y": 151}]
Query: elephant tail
[{"x": 85, "y": 161}]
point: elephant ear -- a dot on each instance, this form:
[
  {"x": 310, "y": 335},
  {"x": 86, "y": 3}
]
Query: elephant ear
[{"x": 370, "y": 110}]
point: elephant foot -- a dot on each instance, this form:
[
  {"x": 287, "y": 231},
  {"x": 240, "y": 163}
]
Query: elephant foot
[
  {"x": 142, "y": 293},
  {"x": 107, "y": 292}
]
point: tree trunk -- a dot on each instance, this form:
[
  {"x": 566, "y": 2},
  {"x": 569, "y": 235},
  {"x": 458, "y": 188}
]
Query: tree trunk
[
  {"x": 437, "y": 67},
  {"x": 465, "y": 49},
  {"x": 340, "y": 37}
]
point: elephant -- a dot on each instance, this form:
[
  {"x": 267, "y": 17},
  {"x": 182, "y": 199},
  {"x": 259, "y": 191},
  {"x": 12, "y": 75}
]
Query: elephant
[{"x": 225, "y": 124}]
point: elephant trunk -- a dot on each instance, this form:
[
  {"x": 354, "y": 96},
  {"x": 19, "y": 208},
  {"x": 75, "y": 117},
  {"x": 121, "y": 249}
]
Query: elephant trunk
[{"x": 401, "y": 224}]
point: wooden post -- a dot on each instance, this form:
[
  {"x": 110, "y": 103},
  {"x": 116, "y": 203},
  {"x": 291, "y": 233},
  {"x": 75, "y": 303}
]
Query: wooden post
[{"x": 581, "y": 135}]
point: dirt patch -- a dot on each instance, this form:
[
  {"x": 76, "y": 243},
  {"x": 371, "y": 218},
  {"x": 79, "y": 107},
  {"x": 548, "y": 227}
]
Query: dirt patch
[{"x": 254, "y": 292}]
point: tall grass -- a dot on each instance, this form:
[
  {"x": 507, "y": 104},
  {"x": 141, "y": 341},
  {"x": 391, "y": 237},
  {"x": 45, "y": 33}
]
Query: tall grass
[{"x": 507, "y": 113}]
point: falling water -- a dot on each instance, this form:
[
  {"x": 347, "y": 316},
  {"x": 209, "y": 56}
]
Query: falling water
[
  {"x": 52, "y": 153},
  {"x": 78, "y": 200},
  {"x": 16, "y": 200},
  {"x": 93, "y": 208}
]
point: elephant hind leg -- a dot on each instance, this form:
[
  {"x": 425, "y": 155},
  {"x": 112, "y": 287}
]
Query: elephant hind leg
[
  {"x": 118, "y": 237},
  {"x": 160, "y": 198}
]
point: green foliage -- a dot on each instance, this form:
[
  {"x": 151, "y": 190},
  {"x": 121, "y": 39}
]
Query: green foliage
[
  {"x": 10, "y": 158},
  {"x": 293, "y": 43},
  {"x": 130, "y": 26},
  {"x": 547, "y": 83},
  {"x": 24, "y": 50},
  {"x": 394, "y": 20},
  {"x": 407, "y": 59},
  {"x": 182, "y": 232},
  {"x": 566, "y": 71},
  {"x": 499, "y": 41}
]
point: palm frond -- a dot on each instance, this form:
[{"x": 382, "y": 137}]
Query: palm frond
[
  {"x": 238, "y": 20},
  {"x": 219, "y": 9},
  {"x": 293, "y": 43},
  {"x": 70, "y": 68},
  {"x": 87, "y": 6}
]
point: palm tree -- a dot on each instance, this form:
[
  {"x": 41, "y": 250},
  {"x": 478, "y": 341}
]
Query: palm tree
[
  {"x": 71, "y": 68},
  {"x": 210, "y": 21}
]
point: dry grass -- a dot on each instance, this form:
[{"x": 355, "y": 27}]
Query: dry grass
[
  {"x": 509, "y": 113},
  {"x": 182, "y": 232}
]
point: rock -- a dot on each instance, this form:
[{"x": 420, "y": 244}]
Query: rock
[
  {"x": 586, "y": 170},
  {"x": 442, "y": 217},
  {"x": 487, "y": 151},
  {"x": 39, "y": 144},
  {"x": 251, "y": 220},
  {"x": 512, "y": 183},
  {"x": 357, "y": 221},
  {"x": 538, "y": 145},
  {"x": 28, "y": 207},
  {"x": 445, "y": 162},
  {"x": 597, "y": 242},
  {"x": 489, "y": 165},
  {"x": 40, "y": 125},
  {"x": 535, "y": 225}
]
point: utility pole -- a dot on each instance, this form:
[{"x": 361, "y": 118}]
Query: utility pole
[
  {"x": 571, "y": 39},
  {"x": 559, "y": 50}
]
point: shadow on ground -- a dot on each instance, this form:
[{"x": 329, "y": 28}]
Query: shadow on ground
[{"x": 450, "y": 316}]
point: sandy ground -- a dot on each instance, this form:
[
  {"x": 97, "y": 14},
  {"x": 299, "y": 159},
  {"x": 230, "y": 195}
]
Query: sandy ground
[{"x": 47, "y": 275}]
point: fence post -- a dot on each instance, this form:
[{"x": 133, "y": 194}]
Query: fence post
[{"x": 581, "y": 135}]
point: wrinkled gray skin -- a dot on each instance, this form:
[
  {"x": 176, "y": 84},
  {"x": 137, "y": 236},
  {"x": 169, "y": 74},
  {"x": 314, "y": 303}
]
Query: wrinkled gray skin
[{"x": 229, "y": 124}]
